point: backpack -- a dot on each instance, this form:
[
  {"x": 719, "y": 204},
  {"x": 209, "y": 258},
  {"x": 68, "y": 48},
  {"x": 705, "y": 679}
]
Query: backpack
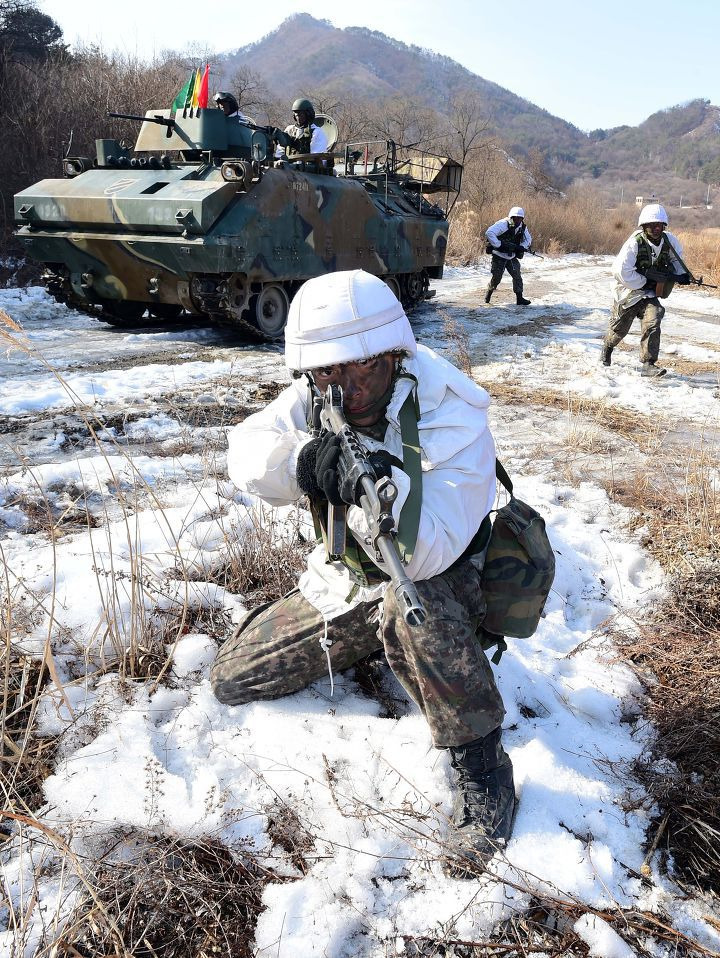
[{"x": 518, "y": 571}]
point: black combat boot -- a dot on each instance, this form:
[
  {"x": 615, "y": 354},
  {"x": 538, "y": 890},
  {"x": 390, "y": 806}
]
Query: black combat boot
[
  {"x": 650, "y": 369},
  {"x": 605, "y": 355},
  {"x": 484, "y": 805},
  {"x": 521, "y": 301},
  {"x": 488, "y": 293}
]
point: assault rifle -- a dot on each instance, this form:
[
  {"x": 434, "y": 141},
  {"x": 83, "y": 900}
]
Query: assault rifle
[
  {"x": 664, "y": 281},
  {"x": 517, "y": 248},
  {"x": 376, "y": 500}
]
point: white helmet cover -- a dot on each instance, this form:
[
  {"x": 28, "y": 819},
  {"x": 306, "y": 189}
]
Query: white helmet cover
[
  {"x": 344, "y": 317},
  {"x": 652, "y": 213},
  {"x": 516, "y": 211}
]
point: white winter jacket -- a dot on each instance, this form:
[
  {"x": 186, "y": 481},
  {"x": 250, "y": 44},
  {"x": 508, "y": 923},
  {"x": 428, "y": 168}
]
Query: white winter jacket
[
  {"x": 628, "y": 282},
  {"x": 458, "y": 472},
  {"x": 493, "y": 234}
]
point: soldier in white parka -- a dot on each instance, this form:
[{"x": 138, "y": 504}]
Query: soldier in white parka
[{"x": 645, "y": 270}]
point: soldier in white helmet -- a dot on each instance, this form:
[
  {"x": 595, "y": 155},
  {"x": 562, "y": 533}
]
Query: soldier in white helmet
[
  {"x": 640, "y": 269},
  {"x": 348, "y": 329},
  {"x": 508, "y": 239}
]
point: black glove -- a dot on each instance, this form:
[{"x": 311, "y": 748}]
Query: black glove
[
  {"x": 328, "y": 470},
  {"x": 519, "y": 252},
  {"x": 683, "y": 279},
  {"x": 305, "y": 469},
  {"x": 381, "y": 462},
  {"x": 320, "y": 473},
  {"x": 280, "y": 136}
]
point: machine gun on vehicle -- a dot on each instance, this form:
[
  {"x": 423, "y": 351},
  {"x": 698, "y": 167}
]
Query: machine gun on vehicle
[
  {"x": 376, "y": 498},
  {"x": 162, "y": 120}
]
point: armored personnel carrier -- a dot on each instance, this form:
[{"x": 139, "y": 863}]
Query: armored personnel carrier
[{"x": 198, "y": 221}]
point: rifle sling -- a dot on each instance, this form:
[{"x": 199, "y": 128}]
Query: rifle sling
[{"x": 410, "y": 516}]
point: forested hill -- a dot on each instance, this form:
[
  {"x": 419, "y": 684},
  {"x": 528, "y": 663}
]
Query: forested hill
[
  {"x": 305, "y": 56},
  {"x": 308, "y": 56}
]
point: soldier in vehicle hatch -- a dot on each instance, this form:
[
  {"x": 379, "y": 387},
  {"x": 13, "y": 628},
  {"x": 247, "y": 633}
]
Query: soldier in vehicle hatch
[
  {"x": 507, "y": 241},
  {"x": 229, "y": 105},
  {"x": 348, "y": 329},
  {"x": 303, "y": 136},
  {"x": 651, "y": 252}
]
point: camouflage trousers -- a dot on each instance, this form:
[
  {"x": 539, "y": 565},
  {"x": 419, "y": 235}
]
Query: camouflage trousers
[
  {"x": 498, "y": 265},
  {"x": 276, "y": 651},
  {"x": 650, "y": 312}
]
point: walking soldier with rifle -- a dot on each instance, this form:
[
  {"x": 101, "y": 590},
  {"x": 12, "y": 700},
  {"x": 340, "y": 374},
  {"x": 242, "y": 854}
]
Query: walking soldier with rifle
[
  {"x": 645, "y": 271},
  {"x": 508, "y": 241},
  {"x": 390, "y": 444}
]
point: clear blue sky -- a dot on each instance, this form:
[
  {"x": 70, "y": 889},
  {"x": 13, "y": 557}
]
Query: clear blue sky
[{"x": 596, "y": 64}]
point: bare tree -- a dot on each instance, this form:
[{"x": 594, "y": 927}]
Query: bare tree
[{"x": 251, "y": 91}]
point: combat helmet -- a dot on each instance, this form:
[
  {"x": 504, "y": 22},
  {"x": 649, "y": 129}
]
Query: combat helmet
[
  {"x": 305, "y": 105},
  {"x": 652, "y": 213},
  {"x": 516, "y": 211},
  {"x": 222, "y": 96},
  {"x": 342, "y": 318}
]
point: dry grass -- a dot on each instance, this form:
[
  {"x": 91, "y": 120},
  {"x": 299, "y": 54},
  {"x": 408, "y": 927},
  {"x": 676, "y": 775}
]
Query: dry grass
[
  {"x": 25, "y": 759},
  {"x": 682, "y": 653},
  {"x": 692, "y": 367},
  {"x": 575, "y": 223},
  {"x": 677, "y": 502},
  {"x": 262, "y": 562},
  {"x": 677, "y": 506},
  {"x": 592, "y": 412},
  {"x": 458, "y": 343},
  {"x": 701, "y": 252},
  {"x": 547, "y": 928},
  {"x": 156, "y": 897}
]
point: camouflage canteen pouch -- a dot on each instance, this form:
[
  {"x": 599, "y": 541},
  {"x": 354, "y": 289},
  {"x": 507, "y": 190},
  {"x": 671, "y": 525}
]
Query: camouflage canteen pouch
[{"x": 519, "y": 568}]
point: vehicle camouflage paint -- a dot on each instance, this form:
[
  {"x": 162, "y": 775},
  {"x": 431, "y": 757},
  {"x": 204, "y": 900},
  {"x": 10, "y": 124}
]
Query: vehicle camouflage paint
[{"x": 200, "y": 220}]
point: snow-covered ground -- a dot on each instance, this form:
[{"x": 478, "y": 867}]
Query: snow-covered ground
[{"x": 127, "y": 430}]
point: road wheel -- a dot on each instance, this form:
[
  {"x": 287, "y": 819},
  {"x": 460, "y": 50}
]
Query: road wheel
[
  {"x": 415, "y": 286},
  {"x": 269, "y": 311}
]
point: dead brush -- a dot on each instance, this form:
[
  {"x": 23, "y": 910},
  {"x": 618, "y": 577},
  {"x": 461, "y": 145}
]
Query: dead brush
[
  {"x": 159, "y": 897},
  {"x": 25, "y": 759},
  {"x": 458, "y": 343},
  {"x": 701, "y": 251},
  {"x": 684, "y": 707},
  {"x": 263, "y": 561},
  {"x": 547, "y": 927},
  {"x": 593, "y": 412},
  {"x": 677, "y": 505}
]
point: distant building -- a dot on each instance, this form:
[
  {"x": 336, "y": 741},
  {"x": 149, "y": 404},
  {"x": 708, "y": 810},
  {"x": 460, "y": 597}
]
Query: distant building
[{"x": 638, "y": 201}]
